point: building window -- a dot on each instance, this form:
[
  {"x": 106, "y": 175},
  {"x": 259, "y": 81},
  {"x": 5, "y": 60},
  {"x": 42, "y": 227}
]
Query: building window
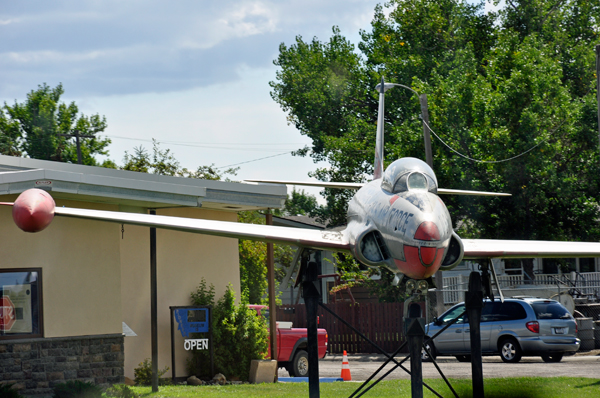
[
  {"x": 513, "y": 267},
  {"x": 587, "y": 265},
  {"x": 21, "y": 305},
  {"x": 559, "y": 265}
]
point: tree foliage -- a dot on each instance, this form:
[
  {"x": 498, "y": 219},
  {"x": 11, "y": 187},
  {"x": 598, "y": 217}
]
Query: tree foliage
[
  {"x": 41, "y": 126},
  {"x": 253, "y": 261},
  {"x": 498, "y": 84},
  {"x": 299, "y": 203},
  {"x": 163, "y": 162},
  {"x": 239, "y": 335}
]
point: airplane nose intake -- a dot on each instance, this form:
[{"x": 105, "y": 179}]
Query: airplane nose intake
[{"x": 427, "y": 231}]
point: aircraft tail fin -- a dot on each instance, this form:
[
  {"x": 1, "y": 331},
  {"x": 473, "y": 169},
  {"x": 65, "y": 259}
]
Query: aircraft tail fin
[{"x": 378, "y": 169}]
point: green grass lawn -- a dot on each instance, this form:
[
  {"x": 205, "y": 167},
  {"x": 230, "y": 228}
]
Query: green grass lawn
[{"x": 523, "y": 387}]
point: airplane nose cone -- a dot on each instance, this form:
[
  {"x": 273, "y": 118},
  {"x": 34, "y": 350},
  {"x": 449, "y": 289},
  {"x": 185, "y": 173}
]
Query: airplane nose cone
[{"x": 427, "y": 231}]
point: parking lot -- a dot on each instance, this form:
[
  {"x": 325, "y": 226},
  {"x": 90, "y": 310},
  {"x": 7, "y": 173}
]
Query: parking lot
[{"x": 362, "y": 366}]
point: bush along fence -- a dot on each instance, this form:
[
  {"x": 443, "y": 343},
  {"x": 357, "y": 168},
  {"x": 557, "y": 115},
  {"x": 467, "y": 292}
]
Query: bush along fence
[{"x": 380, "y": 322}]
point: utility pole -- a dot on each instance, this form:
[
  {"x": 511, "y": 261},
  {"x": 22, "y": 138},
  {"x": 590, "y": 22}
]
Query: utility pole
[
  {"x": 382, "y": 88},
  {"x": 77, "y": 142},
  {"x": 598, "y": 86},
  {"x": 426, "y": 134},
  {"x": 439, "y": 279}
]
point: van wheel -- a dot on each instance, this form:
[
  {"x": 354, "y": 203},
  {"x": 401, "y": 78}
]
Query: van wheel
[
  {"x": 509, "y": 350},
  {"x": 431, "y": 348},
  {"x": 299, "y": 366},
  {"x": 463, "y": 358},
  {"x": 552, "y": 358}
]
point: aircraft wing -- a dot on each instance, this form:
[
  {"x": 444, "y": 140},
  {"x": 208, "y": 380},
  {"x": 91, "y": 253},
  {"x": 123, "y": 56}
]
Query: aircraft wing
[
  {"x": 316, "y": 239},
  {"x": 490, "y": 248},
  {"x": 358, "y": 185},
  {"x": 340, "y": 185},
  {"x": 445, "y": 191}
]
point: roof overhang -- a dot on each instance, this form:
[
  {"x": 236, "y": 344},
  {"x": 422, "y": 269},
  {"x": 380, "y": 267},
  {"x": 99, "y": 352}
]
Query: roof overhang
[{"x": 132, "y": 189}]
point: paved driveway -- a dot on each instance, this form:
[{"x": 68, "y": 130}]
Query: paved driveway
[{"x": 362, "y": 366}]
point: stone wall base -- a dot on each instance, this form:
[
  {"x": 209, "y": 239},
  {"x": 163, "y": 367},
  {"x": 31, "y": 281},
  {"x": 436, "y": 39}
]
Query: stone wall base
[{"x": 35, "y": 366}]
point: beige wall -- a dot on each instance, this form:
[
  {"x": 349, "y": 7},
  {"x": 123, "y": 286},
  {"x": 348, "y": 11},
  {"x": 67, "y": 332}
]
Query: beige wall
[
  {"x": 182, "y": 260},
  {"x": 95, "y": 277},
  {"x": 80, "y": 268}
]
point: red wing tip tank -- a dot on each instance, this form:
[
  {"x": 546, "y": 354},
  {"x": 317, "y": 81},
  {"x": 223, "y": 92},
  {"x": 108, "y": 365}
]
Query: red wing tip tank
[{"x": 33, "y": 210}]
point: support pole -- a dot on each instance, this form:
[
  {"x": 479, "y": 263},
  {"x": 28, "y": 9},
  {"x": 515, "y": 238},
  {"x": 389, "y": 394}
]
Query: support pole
[
  {"x": 415, "y": 332},
  {"x": 438, "y": 278},
  {"x": 153, "y": 307},
  {"x": 598, "y": 85},
  {"x": 77, "y": 143},
  {"x": 271, "y": 289},
  {"x": 312, "y": 295},
  {"x": 474, "y": 305},
  {"x": 426, "y": 134}
]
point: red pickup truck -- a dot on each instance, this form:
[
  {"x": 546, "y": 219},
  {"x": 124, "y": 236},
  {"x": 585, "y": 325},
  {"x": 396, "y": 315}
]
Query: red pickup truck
[{"x": 291, "y": 345}]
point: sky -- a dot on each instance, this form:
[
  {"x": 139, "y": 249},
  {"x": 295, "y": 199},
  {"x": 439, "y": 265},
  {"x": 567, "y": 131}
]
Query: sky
[{"x": 194, "y": 75}]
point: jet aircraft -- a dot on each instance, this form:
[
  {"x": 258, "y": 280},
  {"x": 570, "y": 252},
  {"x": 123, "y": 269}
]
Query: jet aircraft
[{"x": 397, "y": 221}]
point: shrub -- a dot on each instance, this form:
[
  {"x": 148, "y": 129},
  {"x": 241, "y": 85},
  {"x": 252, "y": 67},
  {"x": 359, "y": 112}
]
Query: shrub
[
  {"x": 239, "y": 336},
  {"x": 121, "y": 391},
  {"x": 7, "y": 391},
  {"x": 77, "y": 389},
  {"x": 143, "y": 373}
]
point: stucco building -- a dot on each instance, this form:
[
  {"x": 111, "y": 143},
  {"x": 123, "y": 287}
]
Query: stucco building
[{"x": 74, "y": 285}]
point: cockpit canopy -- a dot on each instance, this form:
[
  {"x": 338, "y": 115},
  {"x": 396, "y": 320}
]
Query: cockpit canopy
[{"x": 409, "y": 174}]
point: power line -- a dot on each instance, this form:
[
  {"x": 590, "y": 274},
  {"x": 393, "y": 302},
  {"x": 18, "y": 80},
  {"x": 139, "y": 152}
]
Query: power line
[
  {"x": 218, "y": 145},
  {"x": 482, "y": 161},
  {"x": 254, "y": 160}
]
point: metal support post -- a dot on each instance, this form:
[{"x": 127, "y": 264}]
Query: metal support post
[
  {"x": 271, "y": 289},
  {"x": 414, "y": 328},
  {"x": 153, "y": 307},
  {"x": 474, "y": 305},
  {"x": 311, "y": 292}
]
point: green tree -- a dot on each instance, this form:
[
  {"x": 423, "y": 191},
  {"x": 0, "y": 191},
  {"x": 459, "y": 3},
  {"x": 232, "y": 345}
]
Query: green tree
[
  {"x": 498, "y": 85},
  {"x": 9, "y": 135},
  {"x": 299, "y": 203},
  {"x": 253, "y": 261},
  {"x": 239, "y": 335},
  {"x": 163, "y": 162},
  {"x": 40, "y": 127}
]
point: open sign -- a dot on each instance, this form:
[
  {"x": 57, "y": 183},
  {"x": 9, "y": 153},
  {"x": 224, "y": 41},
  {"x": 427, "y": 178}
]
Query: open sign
[{"x": 195, "y": 344}]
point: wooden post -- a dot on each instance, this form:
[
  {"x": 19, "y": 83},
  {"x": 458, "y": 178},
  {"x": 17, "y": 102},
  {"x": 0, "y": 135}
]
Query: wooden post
[
  {"x": 598, "y": 84},
  {"x": 438, "y": 278},
  {"x": 426, "y": 134},
  {"x": 271, "y": 288},
  {"x": 78, "y": 143}
]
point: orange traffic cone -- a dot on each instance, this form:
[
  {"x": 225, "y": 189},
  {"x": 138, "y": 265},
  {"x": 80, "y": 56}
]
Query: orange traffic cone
[{"x": 345, "y": 368}]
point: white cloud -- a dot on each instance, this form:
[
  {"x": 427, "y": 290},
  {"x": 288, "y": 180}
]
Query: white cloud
[
  {"x": 154, "y": 46},
  {"x": 184, "y": 71}
]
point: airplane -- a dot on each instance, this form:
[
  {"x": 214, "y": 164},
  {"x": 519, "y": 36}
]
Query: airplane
[{"x": 397, "y": 221}]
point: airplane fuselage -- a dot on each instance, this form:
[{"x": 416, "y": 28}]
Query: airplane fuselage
[{"x": 408, "y": 230}]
